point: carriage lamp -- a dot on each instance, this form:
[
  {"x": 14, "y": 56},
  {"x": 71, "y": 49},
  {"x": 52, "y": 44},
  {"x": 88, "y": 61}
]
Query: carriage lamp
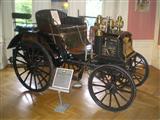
[
  {"x": 111, "y": 24},
  {"x": 119, "y": 23},
  {"x": 100, "y": 25},
  {"x": 65, "y": 5}
]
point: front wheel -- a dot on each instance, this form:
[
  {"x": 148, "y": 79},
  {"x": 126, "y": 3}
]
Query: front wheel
[
  {"x": 33, "y": 66},
  {"x": 111, "y": 87}
]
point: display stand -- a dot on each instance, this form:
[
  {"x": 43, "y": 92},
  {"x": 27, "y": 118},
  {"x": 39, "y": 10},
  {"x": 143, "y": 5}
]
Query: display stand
[
  {"x": 61, "y": 83},
  {"x": 62, "y": 106}
]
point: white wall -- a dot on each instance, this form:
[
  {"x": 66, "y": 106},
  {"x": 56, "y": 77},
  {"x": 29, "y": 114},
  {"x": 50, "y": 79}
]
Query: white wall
[
  {"x": 156, "y": 49},
  {"x": 39, "y": 5},
  {"x": 1, "y": 39},
  {"x": 1, "y": 21},
  {"x": 6, "y": 30},
  {"x": 75, "y": 5},
  {"x": 57, "y": 5},
  {"x": 115, "y": 8},
  {"x": 145, "y": 48},
  {"x": 149, "y": 48}
]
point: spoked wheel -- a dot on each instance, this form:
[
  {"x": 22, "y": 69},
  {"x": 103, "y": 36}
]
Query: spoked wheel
[
  {"x": 138, "y": 68},
  {"x": 112, "y": 88},
  {"x": 33, "y": 66}
]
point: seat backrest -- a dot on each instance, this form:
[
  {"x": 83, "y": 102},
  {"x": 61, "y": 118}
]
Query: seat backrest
[
  {"x": 21, "y": 16},
  {"x": 17, "y": 20},
  {"x": 48, "y": 19}
]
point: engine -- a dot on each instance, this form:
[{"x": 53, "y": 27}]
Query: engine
[{"x": 110, "y": 41}]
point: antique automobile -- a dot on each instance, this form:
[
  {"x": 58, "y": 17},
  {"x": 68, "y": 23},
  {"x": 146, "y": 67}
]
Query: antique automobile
[{"x": 61, "y": 41}]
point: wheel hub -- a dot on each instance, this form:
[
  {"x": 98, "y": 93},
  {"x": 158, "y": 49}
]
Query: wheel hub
[
  {"x": 32, "y": 67},
  {"x": 112, "y": 88}
]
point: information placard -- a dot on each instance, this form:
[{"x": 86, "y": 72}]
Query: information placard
[
  {"x": 62, "y": 79},
  {"x": 56, "y": 18}
]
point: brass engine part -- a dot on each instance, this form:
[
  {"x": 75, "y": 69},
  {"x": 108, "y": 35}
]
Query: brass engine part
[
  {"x": 100, "y": 25},
  {"x": 119, "y": 23}
]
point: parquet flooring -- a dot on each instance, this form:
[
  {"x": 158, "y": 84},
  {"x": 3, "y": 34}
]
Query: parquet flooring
[{"x": 16, "y": 103}]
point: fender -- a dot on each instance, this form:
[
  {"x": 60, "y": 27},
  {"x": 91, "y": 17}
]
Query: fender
[
  {"x": 27, "y": 36},
  {"x": 14, "y": 42}
]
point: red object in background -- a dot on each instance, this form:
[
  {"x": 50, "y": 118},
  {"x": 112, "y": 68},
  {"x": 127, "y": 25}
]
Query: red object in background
[{"x": 141, "y": 24}]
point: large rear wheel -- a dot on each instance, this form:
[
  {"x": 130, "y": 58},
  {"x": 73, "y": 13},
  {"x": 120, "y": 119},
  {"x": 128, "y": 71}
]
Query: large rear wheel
[
  {"x": 138, "y": 68},
  {"x": 33, "y": 66}
]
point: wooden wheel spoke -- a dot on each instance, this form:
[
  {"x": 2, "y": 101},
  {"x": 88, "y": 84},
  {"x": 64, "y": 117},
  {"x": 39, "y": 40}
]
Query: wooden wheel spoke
[
  {"x": 139, "y": 67},
  {"x": 43, "y": 77},
  {"x": 43, "y": 71},
  {"x": 139, "y": 74},
  {"x": 100, "y": 78},
  {"x": 121, "y": 96},
  {"x": 26, "y": 76},
  {"x": 116, "y": 100},
  {"x": 137, "y": 78},
  {"x": 124, "y": 84},
  {"x": 126, "y": 91},
  {"x": 138, "y": 62},
  {"x": 23, "y": 72},
  {"x": 39, "y": 80},
  {"x": 104, "y": 75},
  {"x": 110, "y": 99},
  {"x": 98, "y": 85},
  {"x": 35, "y": 82},
  {"x": 21, "y": 55},
  {"x": 99, "y": 91},
  {"x": 104, "y": 97},
  {"x": 30, "y": 80},
  {"x": 21, "y": 61}
]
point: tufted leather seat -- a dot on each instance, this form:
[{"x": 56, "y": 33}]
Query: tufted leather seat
[{"x": 72, "y": 30}]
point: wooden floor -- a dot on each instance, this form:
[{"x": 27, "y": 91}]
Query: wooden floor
[{"x": 18, "y": 103}]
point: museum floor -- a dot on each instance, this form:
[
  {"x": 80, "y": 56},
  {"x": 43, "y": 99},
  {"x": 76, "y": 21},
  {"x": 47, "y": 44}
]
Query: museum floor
[{"x": 18, "y": 103}]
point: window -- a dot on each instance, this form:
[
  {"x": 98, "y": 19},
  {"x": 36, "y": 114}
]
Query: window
[
  {"x": 23, "y": 6},
  {"x": 93, "y": 8}
]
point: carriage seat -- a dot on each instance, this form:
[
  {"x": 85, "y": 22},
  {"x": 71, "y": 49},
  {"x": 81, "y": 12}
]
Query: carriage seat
[
  {"x": 72, "y": 30},
  {"x": 21, "y": 23}
]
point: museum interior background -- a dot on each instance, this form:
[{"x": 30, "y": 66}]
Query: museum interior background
[
  {"x": 143, "y": 24},
  {"x": 141, "y": 18}
]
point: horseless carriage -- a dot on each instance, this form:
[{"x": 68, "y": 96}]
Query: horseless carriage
[{"x": 61, "y": 40}]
